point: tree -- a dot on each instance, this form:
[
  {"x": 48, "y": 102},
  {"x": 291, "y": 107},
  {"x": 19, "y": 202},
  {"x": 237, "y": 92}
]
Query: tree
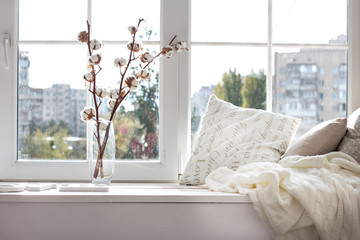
[
  {"x": 49, "y": 141},
  {"x": 141, "y": 123},
  {"x": 195, "y": 120},
  {"x": 147, "y": 112},
  {"x": 254, "y": 91},
  {"x": 230, "y": 88},
  {"x": 126, "y": 128}
]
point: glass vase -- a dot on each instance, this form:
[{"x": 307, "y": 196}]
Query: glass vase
[{"x": 101, "y": 166}]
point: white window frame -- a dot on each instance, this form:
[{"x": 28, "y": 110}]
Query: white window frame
[
  {"x": 175, "y": 88},
  {"x": 353, "y": 47},
  {"x": 166, "y": 169}
]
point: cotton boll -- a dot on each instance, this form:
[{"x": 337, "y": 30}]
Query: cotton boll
[
  {"x": 95, "y": 44},
  {"x": 137, "y": 46},
  {"x": 87, "y": 114},
  {"x": 132, "y": 83},
  {"x": 83, "y": 36},
  {"x": 180, "y": 46},
  {"x": 94, "y": 59},
  {"x": 146, "y": 57},
  {"x": 123, "y": 93},
  {"x": 101, "y": 92},
  {"x": 114, "y": 93},
  {"x": 143, "y": 74},
  {"x": 89, "y": 77},
  {"x": 111, "y": 103},
  {"x": 119, "y": 62},
  {"x": 167, "y": 51},
  {"x": 132, "y": 29},
  {"x": 135, "y": 85}
]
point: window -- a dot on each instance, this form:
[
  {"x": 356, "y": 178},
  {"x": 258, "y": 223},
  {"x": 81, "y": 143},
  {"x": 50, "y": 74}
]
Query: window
[
  {"x": 51, "y": 92},
  {"x": 283, "y": 45},
  {"x": 141, "y": 141},
  {"x": 312, "y": 54},
  {"x": 278, "y": 42}
]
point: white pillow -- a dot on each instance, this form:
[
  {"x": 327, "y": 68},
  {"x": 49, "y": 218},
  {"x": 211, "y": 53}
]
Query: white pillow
[{"x": 233, "y": 136}]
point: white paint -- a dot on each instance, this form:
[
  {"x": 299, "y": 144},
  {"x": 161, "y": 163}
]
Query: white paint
[
  {"x": 153, "y": 221},
  {"x": 130, "y": 212}
]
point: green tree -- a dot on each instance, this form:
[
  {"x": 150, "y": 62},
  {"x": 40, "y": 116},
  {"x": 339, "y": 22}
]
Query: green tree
[
  {"x": 49, "y": 141},
  {"x": 141, "y": 123},
  {"x": 195, "y": 120},
  {"x": 229, "y": 89},
  {"x": 126, "y": 128},
  {"x": 147, "y": 112},
  {"x": 254, "y": 91}
]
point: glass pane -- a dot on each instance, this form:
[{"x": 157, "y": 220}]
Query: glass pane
[
  {"x": 50, "y": 96},
  {"x": 234, "y": 74},
  {"x": 308, "y": 21},
  {"x": 310, "y": 84},
  {"x": 51, "y": 20},
  {"x": 112, "y": 18},
  {"x": 229, "y": 20},
  {"x": 136, "y": 124}
]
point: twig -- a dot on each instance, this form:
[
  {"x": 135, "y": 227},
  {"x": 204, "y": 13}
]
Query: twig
[
  {"x": 98, "y": 161},
  {"x": 158, "y": 55},
  {"x": 117, "y": 104},
  {"x": 118, "y": 101}
]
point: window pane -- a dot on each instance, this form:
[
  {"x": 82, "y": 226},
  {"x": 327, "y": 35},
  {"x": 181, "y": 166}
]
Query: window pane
[
  {"x": 310, "y": 84},
  {"x": 50, "y": 96},
  {"x": 51, "y": 20},
  {"x": 112, "y": 18},
  {"x": 136, "y": 123},
  {"x": 229, "y": 20},
  {"x": 308, "y": 21},
  {"x": 227, "y": 73}
]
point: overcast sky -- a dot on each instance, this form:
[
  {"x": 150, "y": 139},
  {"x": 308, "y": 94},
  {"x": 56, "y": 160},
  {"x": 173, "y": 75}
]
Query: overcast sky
[{"x": 302, "y": 21}]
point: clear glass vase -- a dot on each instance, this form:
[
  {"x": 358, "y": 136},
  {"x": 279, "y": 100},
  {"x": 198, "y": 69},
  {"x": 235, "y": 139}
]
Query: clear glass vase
[{"x": 101, "y": 167}]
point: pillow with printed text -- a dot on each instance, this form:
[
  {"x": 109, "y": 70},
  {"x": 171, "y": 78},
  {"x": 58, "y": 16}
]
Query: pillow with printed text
[{"x": 233, "y": 136}]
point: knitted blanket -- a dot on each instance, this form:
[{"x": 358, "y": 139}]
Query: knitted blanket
[{"x": 300, "y": 197}]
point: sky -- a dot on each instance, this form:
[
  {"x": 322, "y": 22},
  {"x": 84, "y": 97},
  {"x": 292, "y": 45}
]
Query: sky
[{"x": 294, "y": 21}]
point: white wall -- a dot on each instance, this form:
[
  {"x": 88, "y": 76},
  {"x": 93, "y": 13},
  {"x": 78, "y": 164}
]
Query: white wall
[{"x": 137, "y": 221}]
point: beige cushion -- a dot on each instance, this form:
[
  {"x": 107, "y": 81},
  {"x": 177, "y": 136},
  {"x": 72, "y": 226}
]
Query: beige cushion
[
  {"x": 233, "y": 136},
  {"x": 323, "y": 138},
  {"x": 350, "y": 144}
]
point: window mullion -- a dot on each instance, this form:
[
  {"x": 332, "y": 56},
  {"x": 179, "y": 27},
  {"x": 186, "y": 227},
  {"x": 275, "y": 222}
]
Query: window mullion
[
  {"x": 184, "y": 91},
  {"x": 354, "y": 56},
  {"x": 269, "y": 60},
  {"x": 235, "y": 44},
  {"x": 89, "y": 10},
  {"x": 310, "y": 45}
]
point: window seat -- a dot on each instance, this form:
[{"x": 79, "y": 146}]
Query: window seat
[
  {"x": 130, "y": 211},
  {"x": 130, "y": 192}
]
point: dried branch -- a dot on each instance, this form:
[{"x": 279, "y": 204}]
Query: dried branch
[
  {"x": 98, "y": 162},
  {"x": 119, "y": 99}
]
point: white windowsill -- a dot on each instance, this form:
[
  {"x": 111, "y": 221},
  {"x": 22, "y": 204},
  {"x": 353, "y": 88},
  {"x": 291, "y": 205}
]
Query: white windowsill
[{"x": 133, "y": 193}]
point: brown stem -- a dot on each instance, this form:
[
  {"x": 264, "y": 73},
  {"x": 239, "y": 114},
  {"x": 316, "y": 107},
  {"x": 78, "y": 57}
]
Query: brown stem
[
  {"x": 106, "y": 136},
  {"x": 99, "y": 160},
  {"x": 172, "y": 40},
  {"x": 158, "y": 55},
  {"x": 102, "y": 146}
]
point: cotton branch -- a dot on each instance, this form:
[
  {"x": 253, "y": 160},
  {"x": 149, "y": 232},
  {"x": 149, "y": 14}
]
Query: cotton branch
[
  {"x": 131, "y": 82},
  {"x": 98, "y": 162}
]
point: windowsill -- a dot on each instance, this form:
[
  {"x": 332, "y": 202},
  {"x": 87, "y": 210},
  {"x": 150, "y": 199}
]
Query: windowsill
[{"x": 133, "y": 193}]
